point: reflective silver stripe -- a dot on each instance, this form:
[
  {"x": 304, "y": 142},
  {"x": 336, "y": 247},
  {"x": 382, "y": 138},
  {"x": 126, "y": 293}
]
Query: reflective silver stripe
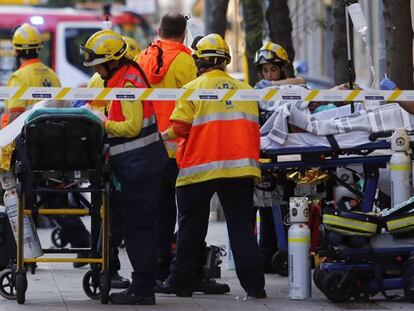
[
  {"x": 149, "y": 121},
  {"x": 146, "y": 122},
  {"x": 170, "y": 145},
  {"x": 217, "y": 165},
  {"x": 137, "y": 143},
  {"x": 225, "y": 116},
  {"x": 133, "y": 77}
]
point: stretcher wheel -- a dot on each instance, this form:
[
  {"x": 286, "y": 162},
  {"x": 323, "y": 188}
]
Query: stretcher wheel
[
  {"x": 280, "y": 263},
  {"x": 90, "y": 284},
  {"x": 318, "y": 275},
  {"x": 7, "y": 284},
  {"x": 21, "y": 287},
  {"x": 338, "y": 286},
  {"x": 105, "y": 287},
  {"x": 56, "y": 237}
]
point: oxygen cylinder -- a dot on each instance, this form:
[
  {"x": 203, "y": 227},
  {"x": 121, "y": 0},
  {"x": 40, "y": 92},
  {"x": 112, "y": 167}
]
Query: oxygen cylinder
[
  {"x": 299, "y": 239},
  {"x": 400, "y": 167},
  {"x": 32, "y": 247}
]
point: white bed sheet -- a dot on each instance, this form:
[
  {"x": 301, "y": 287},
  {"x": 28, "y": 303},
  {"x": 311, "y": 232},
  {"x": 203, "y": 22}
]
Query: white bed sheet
[{"x": 301, "y": 140}]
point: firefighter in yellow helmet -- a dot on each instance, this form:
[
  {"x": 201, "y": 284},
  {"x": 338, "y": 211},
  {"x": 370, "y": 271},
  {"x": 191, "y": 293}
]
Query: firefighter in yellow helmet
[
  {"x": 132, "y": 53},
  {"x": 220, "y": 155},
  {"x": 271, "y": 61},
  {"x": 137, "y": 157},
  {"x": 31, "y": 73}
]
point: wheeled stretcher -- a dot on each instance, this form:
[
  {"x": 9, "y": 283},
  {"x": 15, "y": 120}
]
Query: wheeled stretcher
[
  {"x": 62, "y": 147},
  {"x": 348, "y": 271},
  {"x": 306, "y": 151}
]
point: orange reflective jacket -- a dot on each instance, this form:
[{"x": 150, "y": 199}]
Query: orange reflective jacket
[
  {"x": 144, "y": 154},
  {"x": 156, "y": 61}
]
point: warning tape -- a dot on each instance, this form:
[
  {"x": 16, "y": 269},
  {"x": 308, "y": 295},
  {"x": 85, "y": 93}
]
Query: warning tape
[{"x": 37, "y": 93}]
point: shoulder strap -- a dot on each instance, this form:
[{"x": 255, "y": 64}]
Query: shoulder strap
[{"x": 138, "y": 67}]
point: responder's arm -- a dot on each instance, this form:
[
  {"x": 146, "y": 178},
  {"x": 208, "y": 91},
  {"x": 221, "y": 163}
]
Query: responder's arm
[
  {"x": 15, "y": 106},
  {"x": 297, "y": 80},
  {"x": 181, "y": 120},
  {"x": 132, "y": 125}
]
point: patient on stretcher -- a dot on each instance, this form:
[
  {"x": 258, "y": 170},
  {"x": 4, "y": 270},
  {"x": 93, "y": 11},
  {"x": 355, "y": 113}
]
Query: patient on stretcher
[{"x": 277, "y": 131}]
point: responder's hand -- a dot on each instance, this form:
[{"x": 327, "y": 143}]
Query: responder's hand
[{"x": 264, "y": 83}]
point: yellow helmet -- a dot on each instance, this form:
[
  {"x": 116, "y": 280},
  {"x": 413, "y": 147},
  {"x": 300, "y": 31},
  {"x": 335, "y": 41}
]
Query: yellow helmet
[
  {"x": 212, "y": 46},
  {"x": 103, "y": 46},
  {"x": 26, "y": 37},
  {"x": 271, "y": 53},
  {"x": 133, "y": 49}
]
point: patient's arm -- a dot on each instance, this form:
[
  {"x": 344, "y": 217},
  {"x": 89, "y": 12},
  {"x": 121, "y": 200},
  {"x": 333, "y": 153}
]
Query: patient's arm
[{"x": 407, "y": 106}]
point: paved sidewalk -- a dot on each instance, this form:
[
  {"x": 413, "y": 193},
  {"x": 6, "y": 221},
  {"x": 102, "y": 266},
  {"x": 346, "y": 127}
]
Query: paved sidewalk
[{"x": 59, "y": 287}]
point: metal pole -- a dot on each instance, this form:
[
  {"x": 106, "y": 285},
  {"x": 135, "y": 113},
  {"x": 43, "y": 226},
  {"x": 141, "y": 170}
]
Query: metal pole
[
  {"x": 207, "y": 13},
  {"x": 350, "y": 45}
]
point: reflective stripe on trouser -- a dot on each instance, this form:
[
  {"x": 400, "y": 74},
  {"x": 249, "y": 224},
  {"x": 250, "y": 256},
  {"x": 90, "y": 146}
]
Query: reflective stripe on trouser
[
  {"x": 216, "y": 165},
  {"x": 137, "y": 143}
]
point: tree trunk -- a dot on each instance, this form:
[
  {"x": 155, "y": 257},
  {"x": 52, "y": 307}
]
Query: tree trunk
[
  {"x": 253, "y": 27},
  {"x": 399, "y": 42},
  {"x": 218, "y": 16},
  {"x": 280, "y": 27},
  {"x": 339, "y": 51}
]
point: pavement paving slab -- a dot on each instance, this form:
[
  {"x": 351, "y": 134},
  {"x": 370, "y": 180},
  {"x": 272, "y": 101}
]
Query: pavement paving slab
[{"x": 58, "y": 287}]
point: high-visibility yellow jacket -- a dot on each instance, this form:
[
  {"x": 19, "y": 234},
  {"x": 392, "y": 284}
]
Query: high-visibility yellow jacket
[
  {"x": 224, "y": 139},
  {"x": 31, "y": 73}
]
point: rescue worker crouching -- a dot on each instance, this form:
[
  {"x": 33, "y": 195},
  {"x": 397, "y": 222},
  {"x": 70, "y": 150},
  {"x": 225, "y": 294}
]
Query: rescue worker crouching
[
  {"x": 137, "y": 157},
  {"x": 206, "y": 167},
  {"x": 32, "y": 73}
]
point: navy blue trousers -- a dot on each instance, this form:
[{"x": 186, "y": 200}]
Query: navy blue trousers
[{"x": 236, "y": 198}]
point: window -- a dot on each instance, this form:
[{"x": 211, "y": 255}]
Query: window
[{"x": 74, "y": 37}]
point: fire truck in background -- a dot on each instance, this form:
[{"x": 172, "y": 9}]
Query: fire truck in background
[{"x": 63, "y": 30}]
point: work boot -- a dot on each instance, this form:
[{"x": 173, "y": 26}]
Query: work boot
[
  {"x": 167, "y": 288},
  {"x": 127, "y": 297},
  {"x": 257, "y": 294},
  {"x": 118, "y": 281},
  {"x": 210, "y": 287}
]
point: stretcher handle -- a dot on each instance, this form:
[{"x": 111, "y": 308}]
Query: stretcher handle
[{"x": 384, "y": 134}]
